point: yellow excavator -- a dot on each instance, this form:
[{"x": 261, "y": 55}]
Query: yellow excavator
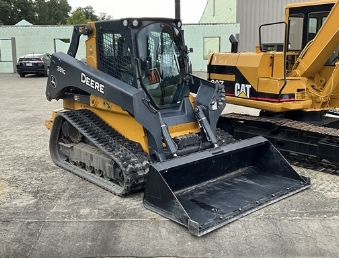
[
  {"x": 134, "y": 117},
  {"x": 295, "y": 87}
]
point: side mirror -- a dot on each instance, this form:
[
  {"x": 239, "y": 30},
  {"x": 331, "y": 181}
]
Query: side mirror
[{"x": 191, "y": 49}]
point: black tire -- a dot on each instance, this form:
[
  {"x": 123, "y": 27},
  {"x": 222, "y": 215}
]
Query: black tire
[
  {"x": 22, "y": 75},
  {"x": 46, "y": 72}
]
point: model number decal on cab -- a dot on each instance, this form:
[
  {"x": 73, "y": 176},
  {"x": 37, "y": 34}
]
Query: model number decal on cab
[
  {"x": 217, "y": 81},
  {"x": 61, "y": 70},
  {"x": 92, "y": 83},
  {"x": 242, "y": 90}
]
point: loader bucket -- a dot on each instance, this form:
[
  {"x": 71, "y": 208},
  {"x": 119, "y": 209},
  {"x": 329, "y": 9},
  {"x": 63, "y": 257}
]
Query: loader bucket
[{"x": 209, "y": 189}]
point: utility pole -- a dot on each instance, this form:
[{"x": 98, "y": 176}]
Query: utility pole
[{"x": 177, "y": 9}]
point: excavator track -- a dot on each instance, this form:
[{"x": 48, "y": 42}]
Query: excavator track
[
  {"x": 296, "y": 158},
  {"x": 309, "y": 162},
  {"x": 129, "y": 156},
  {"x": 287, "y": 123},
  {"x": 334, "y": 111}
]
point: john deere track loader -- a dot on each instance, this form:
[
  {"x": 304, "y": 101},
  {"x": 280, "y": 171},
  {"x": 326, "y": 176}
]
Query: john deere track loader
[
  {"x": 295, "y": 87},
  {"x": 134, "y": 116}
]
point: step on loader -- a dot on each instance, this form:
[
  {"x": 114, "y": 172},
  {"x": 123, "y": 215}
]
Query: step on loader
[{"x": 134, "y": 117}]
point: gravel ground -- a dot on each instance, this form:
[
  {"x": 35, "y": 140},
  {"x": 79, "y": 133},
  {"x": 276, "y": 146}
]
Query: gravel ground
[{"x": 48, "y": 212}]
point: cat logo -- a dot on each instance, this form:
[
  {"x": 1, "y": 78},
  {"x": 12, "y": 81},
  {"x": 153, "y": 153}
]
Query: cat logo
[{"x": 242, "y": 90}]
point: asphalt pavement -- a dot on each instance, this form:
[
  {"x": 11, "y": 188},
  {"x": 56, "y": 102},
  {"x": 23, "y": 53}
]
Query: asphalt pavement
[{"x": 48, "y": 212}]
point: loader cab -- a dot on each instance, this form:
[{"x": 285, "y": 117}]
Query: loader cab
[
  {"x": 145, "y": 53},
  {"x": 161, "y": 57},
  {"x": 304, "y": 22}
]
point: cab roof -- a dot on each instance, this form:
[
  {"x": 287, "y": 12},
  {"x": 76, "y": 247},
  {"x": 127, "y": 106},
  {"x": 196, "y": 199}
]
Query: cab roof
[{"x": 310, "y": 3}]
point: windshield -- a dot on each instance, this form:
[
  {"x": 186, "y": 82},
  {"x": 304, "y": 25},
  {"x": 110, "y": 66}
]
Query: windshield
[{"x": 161, "y": 53}]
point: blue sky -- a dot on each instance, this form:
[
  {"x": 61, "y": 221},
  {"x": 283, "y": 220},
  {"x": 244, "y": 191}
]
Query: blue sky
[{"x": 191, "y": 10}]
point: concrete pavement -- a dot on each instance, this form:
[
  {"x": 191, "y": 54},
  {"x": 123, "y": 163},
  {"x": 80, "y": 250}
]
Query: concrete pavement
[{"x": 48, "y": 212}]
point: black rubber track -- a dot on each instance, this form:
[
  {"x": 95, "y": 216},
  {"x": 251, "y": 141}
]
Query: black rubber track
[{"x": 127, "y": 154}]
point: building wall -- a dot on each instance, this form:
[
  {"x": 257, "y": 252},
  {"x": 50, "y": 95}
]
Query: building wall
[
  {"x": 34, "y": 39},
  {"x": 219, "y": 11},
  {"x": 39, "y": 39},
  {"x": 216, "y": 24},
  {"x": 251, "y": 14},
  {"x": 202, "y": 38}
]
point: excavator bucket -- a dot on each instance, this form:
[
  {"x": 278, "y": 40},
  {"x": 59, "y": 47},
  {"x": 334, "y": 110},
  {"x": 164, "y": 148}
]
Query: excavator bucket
[{"x": 209, "y": 189}]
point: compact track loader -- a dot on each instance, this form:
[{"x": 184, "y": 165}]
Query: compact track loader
[
  {"x": 135, "y": 117},
  {"x": 295, "y": 84}
]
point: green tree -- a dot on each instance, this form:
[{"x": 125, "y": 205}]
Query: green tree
[
  {"x": 23, "y": 9},
  {"x": 104, "y": 17},
  {"x": 13, "y": 11},
  {"x": 40, "y": 12},
  {"x": 83, "y": 15},
  {"x": 77, "y": 17},
  {"x": 89, "y": 13},
  {"x": 5, "y": 10},
  {"x": 58, "y": 11},
  {"x": 46, "y": 12},
  {"x": 51, "y": 12}
]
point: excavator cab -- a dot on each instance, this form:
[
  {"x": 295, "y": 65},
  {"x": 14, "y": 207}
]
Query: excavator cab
[{"x": 304, "y": 23}]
